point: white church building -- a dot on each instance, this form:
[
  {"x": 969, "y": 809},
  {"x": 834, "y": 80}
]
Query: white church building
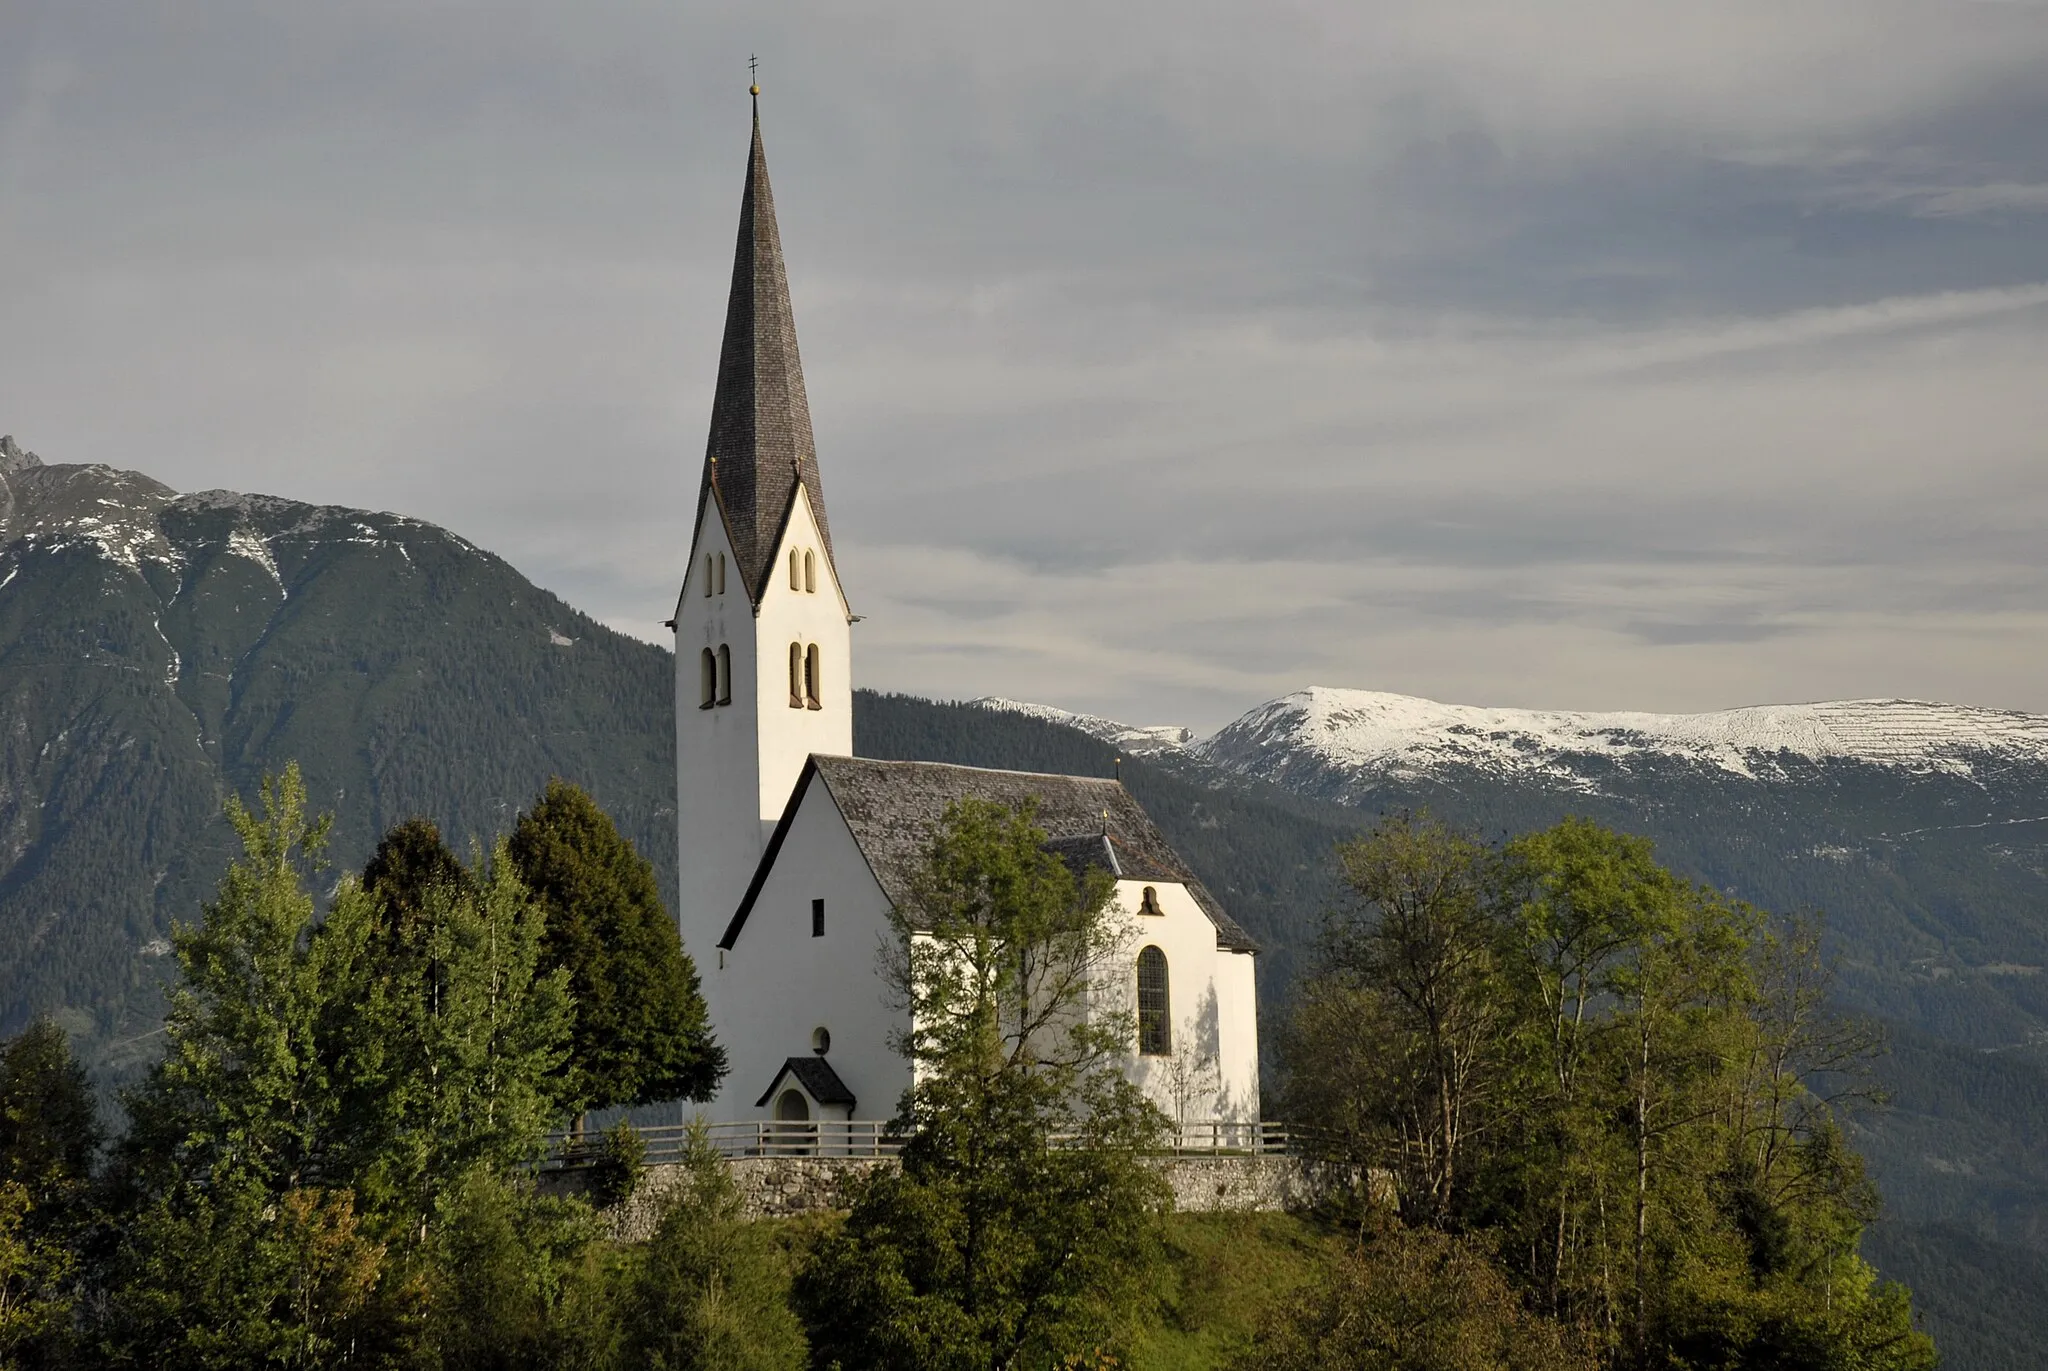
[{"x": 792, "y": 851}]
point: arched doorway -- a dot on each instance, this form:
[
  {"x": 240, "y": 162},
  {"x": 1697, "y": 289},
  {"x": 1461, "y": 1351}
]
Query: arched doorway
[{"x": 793, "y": 1129}]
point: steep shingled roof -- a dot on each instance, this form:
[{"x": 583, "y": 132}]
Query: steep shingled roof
[
  {"x": 892, "y": 809},
  {"x": 760, "y": 446}
]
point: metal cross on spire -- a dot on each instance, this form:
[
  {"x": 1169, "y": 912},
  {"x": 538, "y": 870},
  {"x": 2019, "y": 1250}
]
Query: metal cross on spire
[{"x": 753, "y": 75}]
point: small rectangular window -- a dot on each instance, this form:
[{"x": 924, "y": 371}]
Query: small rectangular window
[{"x": 817, "y": 918}]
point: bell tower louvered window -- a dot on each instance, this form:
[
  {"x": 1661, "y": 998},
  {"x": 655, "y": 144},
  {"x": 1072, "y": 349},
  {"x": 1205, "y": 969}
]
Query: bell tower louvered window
[
  {"x": 813, "y": 687},
  {"x": 724, "y": 674},
  {"x": 1155, "y": 1018},
  {"x": 708, "y": 680},
  {"x": 796, "y": 675}
]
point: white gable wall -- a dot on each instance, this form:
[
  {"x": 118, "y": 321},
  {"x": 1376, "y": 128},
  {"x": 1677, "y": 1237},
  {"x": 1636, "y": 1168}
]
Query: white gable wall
[
  {"x": 1211, "y": 1004},
  {"x": 788, "y": 736},
  {"x": 778, "y": 983}
]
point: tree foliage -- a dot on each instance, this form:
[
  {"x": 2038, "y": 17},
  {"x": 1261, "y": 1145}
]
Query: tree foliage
[
  {"x": 1022, "y": 1220},
  {"x": 1614, "y": 1077},
  {"x": 710, "y": 1290},
  {"x": 641, "y": 1031}
]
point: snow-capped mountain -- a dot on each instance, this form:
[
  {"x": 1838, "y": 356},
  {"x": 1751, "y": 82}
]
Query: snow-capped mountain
[
  {"x": 1138, "y": 739},
  {"x": 1400, "y": 737},
  {"x": 1333, "y": 742}
]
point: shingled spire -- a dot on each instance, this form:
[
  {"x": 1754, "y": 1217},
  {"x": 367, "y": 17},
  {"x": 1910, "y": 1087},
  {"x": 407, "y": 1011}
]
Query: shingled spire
[{"x": 760, "y": 446}]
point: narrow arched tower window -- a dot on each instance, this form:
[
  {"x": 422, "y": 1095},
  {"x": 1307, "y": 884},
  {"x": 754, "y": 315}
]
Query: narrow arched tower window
[
  {"x": 813, "y": 687},
  {"x": 724, "y": 674},
  {"x": 707, "y": 680},
  {"x": 810, "y": 574},
  {"x": 796, "y": 675},
  {"x": 720, "y": 576},
  {"x": 1155, "y": 1021},
  {"x": 796, "y": 570},
  {"x": 710, "y": 574}
]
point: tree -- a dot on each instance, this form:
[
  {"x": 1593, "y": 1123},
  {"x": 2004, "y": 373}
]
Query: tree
[
  {"x": 709, "y": 1291},
  {"x": 641, "y": 1031},
  {"x": 1413, "y": 1300},
  {"x": 1416, "y": 961},
  {"x": 1023, "y": 1219},
  {"x": 49, "y": 1135},
  {"x": 241, "y": 1086},
  {"x": 329, "y": 1088},
  {"x": 49, "y": 1127},
  {"x": 515, "y": 1278},
  {"x": 447, "y": 1038},
  {"x": 1603, "y": 1075}
]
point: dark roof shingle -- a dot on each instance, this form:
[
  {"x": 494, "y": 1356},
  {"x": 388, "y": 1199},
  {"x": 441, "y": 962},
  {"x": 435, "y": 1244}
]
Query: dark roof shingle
[{"x": 814, "y": 1074}]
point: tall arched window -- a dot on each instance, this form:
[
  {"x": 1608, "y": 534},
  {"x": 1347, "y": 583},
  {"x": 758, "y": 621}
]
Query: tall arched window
[
  {"x": 1155, "y": 1017},
  {"x": 796, "y": 675},
  {"x": 707, "y": 673},
  {"x": 813, "y": 687},
  {"x": 810, "y": 574},
  {"x": 724, "y": 674},
  {"x": 720, "y": 576},
  {"x": 796, "y": 570},
  {"x": 710, "y": 574}
]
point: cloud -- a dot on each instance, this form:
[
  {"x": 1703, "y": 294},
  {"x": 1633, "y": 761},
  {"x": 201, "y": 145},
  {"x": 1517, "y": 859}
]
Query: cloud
[{"x": 1162, "y": 359}]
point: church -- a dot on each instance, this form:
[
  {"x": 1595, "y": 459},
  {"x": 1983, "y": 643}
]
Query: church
[{"x": 792, "y": 851}]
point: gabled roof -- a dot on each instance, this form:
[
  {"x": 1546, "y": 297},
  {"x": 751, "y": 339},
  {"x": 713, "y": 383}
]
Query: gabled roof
[
  {"x": 892, "y": 809},
  {"x": 815, "y": 1075},
  {"x": 760, "y": 448}
]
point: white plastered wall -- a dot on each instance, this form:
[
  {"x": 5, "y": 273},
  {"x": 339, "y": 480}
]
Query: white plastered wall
[
  {"x": 1211, "y": 1003},
  {"x": 719, "y": 834},
  {"x": 778, "y": 983}
]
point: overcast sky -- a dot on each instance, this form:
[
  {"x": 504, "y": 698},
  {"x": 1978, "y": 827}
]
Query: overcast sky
[{"x": 1163, "y": 357}]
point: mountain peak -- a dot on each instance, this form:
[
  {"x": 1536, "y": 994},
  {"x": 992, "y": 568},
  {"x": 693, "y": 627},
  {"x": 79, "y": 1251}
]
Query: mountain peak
[
  {"x": 1403, "y": 735},
  {"x": 13, "y": 459}
]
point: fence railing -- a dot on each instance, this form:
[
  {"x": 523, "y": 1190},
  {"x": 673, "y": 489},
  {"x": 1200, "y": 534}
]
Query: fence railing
[{"x": 878, "y": 1138}]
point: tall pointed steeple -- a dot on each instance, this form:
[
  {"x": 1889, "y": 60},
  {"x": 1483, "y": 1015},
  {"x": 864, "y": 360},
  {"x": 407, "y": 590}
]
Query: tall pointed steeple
[{"x": 760, "y": 446}]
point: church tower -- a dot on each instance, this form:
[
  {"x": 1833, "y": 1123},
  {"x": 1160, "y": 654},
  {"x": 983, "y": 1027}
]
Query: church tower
[{"x": 763, "y": 637}]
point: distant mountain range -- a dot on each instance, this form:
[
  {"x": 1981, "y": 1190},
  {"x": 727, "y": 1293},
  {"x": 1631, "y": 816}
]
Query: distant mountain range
[
  {"x": 1358, "y": 738},
  {"x": 160, "y": 651}
]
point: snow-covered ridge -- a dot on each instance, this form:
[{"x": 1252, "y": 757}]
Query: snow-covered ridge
[
  {"x": 1140, "y": 739},
  {"x": 127, "y": 518},
  {"x": 1401, "y": 735}
]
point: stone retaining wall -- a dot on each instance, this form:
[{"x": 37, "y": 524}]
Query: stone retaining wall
[{"x": 777, "y": 1187}]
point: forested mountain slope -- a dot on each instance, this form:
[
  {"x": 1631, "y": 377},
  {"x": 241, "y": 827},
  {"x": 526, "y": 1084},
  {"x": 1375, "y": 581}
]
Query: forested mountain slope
[{"x": 161, "y": 651}]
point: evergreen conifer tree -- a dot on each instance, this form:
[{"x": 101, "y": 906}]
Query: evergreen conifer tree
[{"x": 641, "y": 1032}]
